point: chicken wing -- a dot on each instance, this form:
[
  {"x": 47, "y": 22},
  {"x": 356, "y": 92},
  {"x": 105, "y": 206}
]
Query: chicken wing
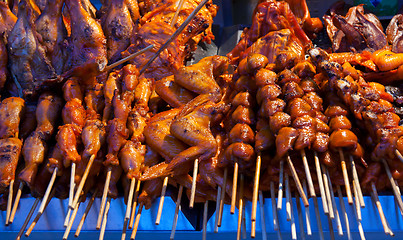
[
  {"x": 132, "y": 158},
  {"x": 93, "y": 137}
]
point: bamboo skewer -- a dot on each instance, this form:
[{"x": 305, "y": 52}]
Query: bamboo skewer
[
  {"x": 161, "y": 203},
  {"x": 243, "y": 223},
  {"x": 205, "y": 211},
  {"x": 357, "y": 202},
  {"x": 137, "y": 221},
  {"x": 175, "y": 34},
  {"x": 104, "y": 195},
  {"x": 72, "y": 184},
  {"x": 307, "y": 214},
  {"x": 193, "y": 190},
  {"x": 240, "y": 207},
  {"x": 25, "y": 224},
  {"x": 134, "y": 205},
  {"x": 222, "y": 197},
  {"x": 300, "y": 218},
  {"x": 287, "y": 197},
  {"x": 320, "y": 181},
  {"x": 67, "y": 218},
  {"x": 255, "y": 195},
  {"x": 343, "y": 210},
  {"x": 262, "y": 215},
  {"x": 308, "y": 174},
  {"x": 85, "y": 214},
  {"x": 335, "y": 211},
  {"x": 177, "y": 209},
  {"x": 273, "y": 206},
  {"x": 327, "y": 189},
  {"x": 83, "y": 180},
  {"x": 320, "y": 229},
  {"x": 399, "y": 155},
  {"x": 345, "y": 176},
  {"x": 128, "y": 207},
  {"x": 234, "y": 188},
  {"x": 357, "y": 181},
  {"x": 384, "y": 221},
  {"x": 128, "y": 58},
  {"x": 180, "y": 4},
  {"x": 217, "y": 209},
  {"x": 360, "y": 229},
  {"x": 289, "y": 201},
  {"x": 297, "y": 181},
  {"x": 9, "y": 201},
  {"x": 280, "y": 186},
  {"x": 36, "y": 219},
  {"x": 16, "y": 202},
  {"x": 395, "y": 190},
  {"x": 73, "y": 216},
  {"x": 105, "y": 218},
  {"x": 398, "y": 191}
]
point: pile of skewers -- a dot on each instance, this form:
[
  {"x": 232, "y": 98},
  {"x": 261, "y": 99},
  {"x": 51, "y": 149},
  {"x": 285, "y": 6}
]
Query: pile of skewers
[{"x": 131, "y": 113}]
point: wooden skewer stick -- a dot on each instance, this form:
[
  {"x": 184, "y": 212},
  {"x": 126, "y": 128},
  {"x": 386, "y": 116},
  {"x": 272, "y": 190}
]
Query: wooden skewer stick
[
  {"x": 73, "y": 216},
  {"x": 327, "y": 189},
  {"x": 31, "y": 212},
  {"x": 307, "y": 214},
  {"x": 137, "y": 221},
  {"x": 234, "y": 188},
  {"x": 162, "y": 198},
  {"x": 131, "y": 222},
  {"x": 398, "y": 191},
  {"x": 240, "y": 207},
  {"x": 105, "y": 218},
  {"x": 289, "y": 201},
  {"x": 262, "y": 215},
  {"x": 83, "y": 180},
  {"x": 385, "y": 223},
  {"x": 217, "y": 209},
  {"x": 287, "y": 197},
  {"x": 175, "y": 34},
  {"x": 280, "y": 186},
  {"x": 36, "y": 219},
  {"x": 331, "y": 230},
  {"x": 357, "y": 202},
  {"x": 297, "y": 181},
  {"x": 177, "y": 209},
  {"x": 72, "y": 184},
  {"x": 128, "y": 207},
  {"x": 308, "y": 174},
  {"x": 85, "y": 214},
  {"x": 345, "y": 176},
  {"x": 67, "y": 218},
  {"x": 273, "y": 206},
  {"x": 47, "y": 192},
  {"x": 222, "y": 197},
  {"x": 128, "y": 58},
  {"x": 300, "y": 218},
  {"x": 16, "y": 202},
  {"x": 320, "y": 181},
  {"x": 253, "y": 229},
  {"x": 394, "y": 186},
  {"x": 193, "y": 190},
  {"x": 343, "y": 211},
  {"x": 360, "y": 229},
  {"x": 205, "y": 211},
  {"x": 9, "y": 201},
  {"x": 178, "y": 9},
  {"x": 320, "y": 229},
  {"x": 104, "y": 195},
  {"x": 357, "y": 181},
  {"x": 243, "y": 223},
  {"x": 335, "y": 211},
  {"x": 256, "y": 188},
  {"x": 399, "y": 155}
]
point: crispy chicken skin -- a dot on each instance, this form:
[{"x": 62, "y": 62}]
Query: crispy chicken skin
[
  {"x": 10, "y": 149},
  {"x": 87, "y": 43},
  {"x": 11, "y": 111}
]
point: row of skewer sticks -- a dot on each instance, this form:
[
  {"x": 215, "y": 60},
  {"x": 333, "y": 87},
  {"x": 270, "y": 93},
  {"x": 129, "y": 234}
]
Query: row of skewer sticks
[{"x": 132, "y": 221}]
